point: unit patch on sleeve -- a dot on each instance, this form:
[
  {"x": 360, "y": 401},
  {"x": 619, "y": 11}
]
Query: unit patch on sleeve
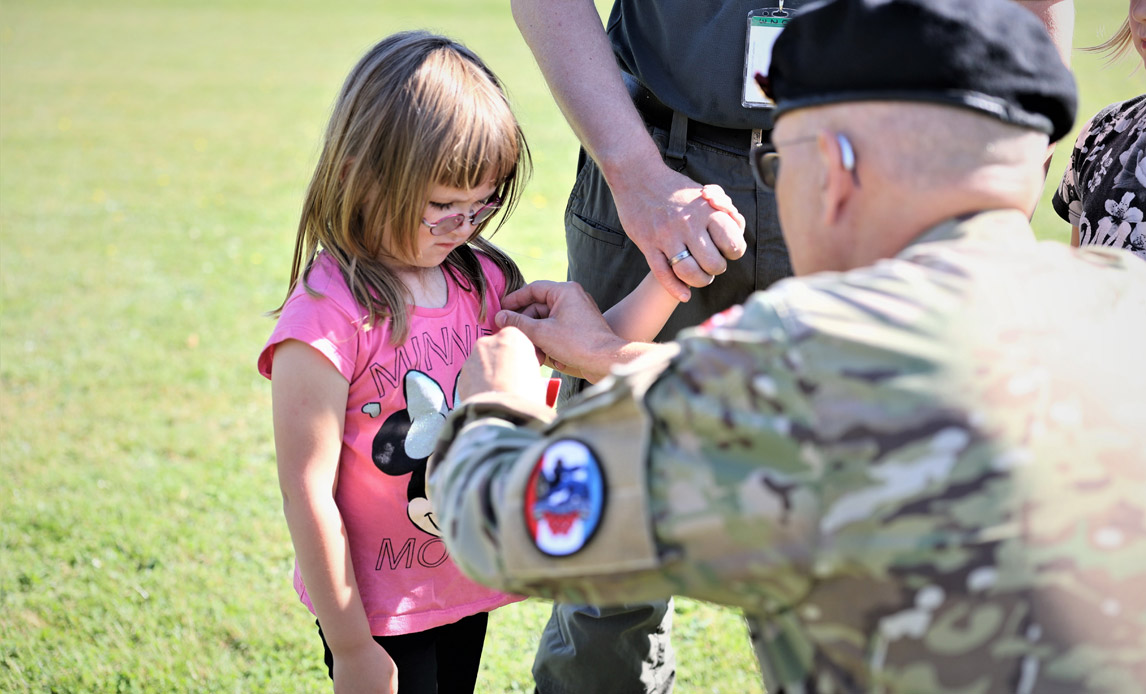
[{"x": 565, "y": 498}]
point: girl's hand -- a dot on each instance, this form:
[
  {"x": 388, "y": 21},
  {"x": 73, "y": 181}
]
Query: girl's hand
[
  {"x": 365, "y": 670},
  {"x": 717, "y": 199}
]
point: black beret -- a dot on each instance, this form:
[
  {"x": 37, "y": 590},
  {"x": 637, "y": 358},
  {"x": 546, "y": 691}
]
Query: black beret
[{"x": 991, "y": 56}]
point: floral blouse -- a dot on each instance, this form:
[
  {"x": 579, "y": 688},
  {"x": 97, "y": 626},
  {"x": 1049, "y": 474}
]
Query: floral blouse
[{"x": 1103, "y": 191}]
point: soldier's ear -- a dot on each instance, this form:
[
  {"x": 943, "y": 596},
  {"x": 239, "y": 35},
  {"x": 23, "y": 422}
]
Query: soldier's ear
[{"x": 838, "y": 162}]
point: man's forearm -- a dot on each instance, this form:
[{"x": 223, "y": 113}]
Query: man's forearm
[
  {"x": 1058, "y": 17},
  {"x": 621, "y": 355},
  {"x": 573, "y": 52},
  {"x": 593, "y": 362}
]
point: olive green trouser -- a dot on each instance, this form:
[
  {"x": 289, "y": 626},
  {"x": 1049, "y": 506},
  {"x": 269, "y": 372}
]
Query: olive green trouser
[{"x": 627, "y": 649}]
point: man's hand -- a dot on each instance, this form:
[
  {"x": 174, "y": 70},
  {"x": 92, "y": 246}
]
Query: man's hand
[
  {"x": 504, "y": 362},
  {"x": 566, "y": 326},
  {"x": 665, "y": 213}
]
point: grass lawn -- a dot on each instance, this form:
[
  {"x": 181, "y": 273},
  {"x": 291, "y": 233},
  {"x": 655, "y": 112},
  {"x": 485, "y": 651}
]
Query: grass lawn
[{"x": 152, "y": 161}]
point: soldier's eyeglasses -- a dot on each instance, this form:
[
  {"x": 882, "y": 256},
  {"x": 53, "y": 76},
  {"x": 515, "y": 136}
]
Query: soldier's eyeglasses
[
  {"x": 452, "y": 222},
  {"x": 766, "y": 160}
]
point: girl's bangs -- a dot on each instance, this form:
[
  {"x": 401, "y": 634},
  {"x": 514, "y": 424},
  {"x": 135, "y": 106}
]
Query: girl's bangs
[{"x": 487, "y": 146}]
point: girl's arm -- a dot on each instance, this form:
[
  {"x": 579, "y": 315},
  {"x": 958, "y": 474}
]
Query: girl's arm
[
  {"x": 641, "y": 315},
  {"x": 309, "y": 402}
]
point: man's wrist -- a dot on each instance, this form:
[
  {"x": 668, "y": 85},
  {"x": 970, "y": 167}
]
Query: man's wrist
[
  {"x": 630, "y": 161},
  {"x": 613, "y": 351}
]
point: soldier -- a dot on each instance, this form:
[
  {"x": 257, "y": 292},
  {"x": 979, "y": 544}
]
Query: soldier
[
  {"x": 904, "y": 463},
  {"x": 658, "y": 100}
]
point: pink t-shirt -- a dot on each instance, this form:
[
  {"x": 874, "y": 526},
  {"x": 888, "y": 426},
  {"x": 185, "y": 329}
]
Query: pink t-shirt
[{"x": 396, "y": 406}]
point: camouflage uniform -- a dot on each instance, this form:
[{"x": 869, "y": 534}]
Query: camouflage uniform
[{"x": 916, "y": 475}]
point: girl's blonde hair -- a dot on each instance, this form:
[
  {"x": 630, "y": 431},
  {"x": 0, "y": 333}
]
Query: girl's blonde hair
[
  {"x": 417, "y": 110},
  {"x": 1117, "y": 44}
]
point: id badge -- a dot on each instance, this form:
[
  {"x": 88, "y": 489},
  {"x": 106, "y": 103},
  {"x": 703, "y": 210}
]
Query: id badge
[{"x": 764, "y": 26}]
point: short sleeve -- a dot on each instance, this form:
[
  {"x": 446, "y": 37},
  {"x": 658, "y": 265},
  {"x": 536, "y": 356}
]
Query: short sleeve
[
  {"x": 496, "y": 279},
  {"x": 1067, "y": 201},
  {"x": 329, "y": 322}
]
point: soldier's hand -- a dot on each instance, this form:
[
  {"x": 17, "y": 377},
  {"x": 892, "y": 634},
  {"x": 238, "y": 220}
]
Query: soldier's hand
[
  {"x": 504, "y": 362},
  {"x": 565, "y": 325}
]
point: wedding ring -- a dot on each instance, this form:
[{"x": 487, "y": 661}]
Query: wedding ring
[{"x": 679, "y": 257}]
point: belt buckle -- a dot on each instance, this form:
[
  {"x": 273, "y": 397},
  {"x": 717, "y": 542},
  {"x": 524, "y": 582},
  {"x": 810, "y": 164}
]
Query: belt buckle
[{"x": 757, "y": 138}]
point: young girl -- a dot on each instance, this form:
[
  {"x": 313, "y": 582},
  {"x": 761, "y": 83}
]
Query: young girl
[{"x": 390, "y": 286}]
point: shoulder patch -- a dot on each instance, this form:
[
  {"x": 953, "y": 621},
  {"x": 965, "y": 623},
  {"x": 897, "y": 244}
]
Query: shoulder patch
[{"x": 564, "y": 498}]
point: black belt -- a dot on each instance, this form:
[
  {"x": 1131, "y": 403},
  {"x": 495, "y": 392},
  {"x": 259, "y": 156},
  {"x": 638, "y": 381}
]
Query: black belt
[{"x": 657, "y": 115}]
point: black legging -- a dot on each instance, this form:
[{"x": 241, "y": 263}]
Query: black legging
[{"x": 444, "y": 659}]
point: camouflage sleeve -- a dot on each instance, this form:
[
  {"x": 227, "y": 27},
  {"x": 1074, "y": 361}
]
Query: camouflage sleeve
[
  {"x": 530, "y": 507},
  {"x": 911, "y": 480},
  {"x": 652, "y": 484}
]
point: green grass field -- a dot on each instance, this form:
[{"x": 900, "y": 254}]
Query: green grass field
[{"x": 152, "y": 161}]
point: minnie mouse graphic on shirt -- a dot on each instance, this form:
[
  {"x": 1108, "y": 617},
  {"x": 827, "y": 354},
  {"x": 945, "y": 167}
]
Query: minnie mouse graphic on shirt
[{"x": 406, "y": 439}]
